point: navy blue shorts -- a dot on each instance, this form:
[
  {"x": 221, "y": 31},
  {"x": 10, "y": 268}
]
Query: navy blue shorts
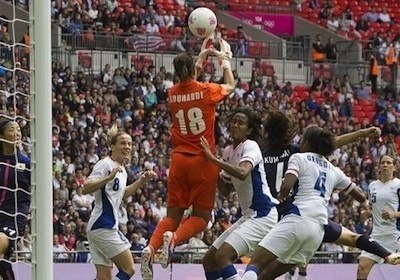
[{"x": 332, "y": 232}]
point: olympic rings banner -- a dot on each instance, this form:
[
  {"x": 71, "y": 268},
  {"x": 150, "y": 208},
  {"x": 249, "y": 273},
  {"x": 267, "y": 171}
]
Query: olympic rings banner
[{"x": 278, "y": 24}]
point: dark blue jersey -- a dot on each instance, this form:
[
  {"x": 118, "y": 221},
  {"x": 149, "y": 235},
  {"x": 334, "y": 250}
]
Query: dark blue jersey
[
  {"x": 15, "y": 182},
  {"x": 276, "y": 164}
]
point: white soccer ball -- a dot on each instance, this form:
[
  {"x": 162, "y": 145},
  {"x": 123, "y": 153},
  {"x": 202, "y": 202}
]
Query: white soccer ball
[{"x": 202, "y": 22}]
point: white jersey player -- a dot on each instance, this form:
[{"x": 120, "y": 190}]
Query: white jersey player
[
  {"x": 108, "y": 182},
  {"x": 384, "y": 196},
  {"x": 311, "y": 177},
  {"x": 243, "y": 168}
]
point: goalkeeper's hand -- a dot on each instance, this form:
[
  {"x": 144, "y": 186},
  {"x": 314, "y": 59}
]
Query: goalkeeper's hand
[
  {"x": 225, "y": 55},
  {"x": 203, "y": 55}
]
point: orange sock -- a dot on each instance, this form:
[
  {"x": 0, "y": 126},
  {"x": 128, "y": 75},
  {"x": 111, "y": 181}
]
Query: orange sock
[
  {"x": 192, "y": 226},
  {"x": 166, "y": 224}
]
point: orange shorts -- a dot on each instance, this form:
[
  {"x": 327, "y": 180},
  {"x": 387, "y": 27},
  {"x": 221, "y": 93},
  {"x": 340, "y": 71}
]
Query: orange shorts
[{"x": 192, "y": 180}]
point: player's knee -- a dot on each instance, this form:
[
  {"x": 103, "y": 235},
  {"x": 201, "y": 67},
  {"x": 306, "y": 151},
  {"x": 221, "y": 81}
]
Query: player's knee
[
  {"x": 125, "y": 274},
  {"x": 362, "y": 270}
]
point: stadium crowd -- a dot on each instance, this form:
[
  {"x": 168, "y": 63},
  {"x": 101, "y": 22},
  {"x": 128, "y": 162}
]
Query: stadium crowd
[{"x": 83, "y": 111}]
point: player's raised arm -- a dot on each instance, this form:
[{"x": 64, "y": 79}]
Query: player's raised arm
[
  {"x": 350, "y": 137},
  {"x": 224, "y": 57}
]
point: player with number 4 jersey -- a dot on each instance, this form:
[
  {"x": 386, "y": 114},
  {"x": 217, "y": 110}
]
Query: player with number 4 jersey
[{"x": 279, "y": 130}]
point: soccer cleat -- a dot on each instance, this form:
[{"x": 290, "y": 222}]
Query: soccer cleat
[
  {"x": 146, "y": 266},
  {"x": 166, "y": 250},
  {"x": 393, "y": 258}
]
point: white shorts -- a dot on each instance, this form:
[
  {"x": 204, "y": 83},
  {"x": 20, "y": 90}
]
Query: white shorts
[
  {"x": 246, "y": 233},
  {"x": 389, "y": 242},
  {"x": 294, "y": 240},
  {"x": 104, "y": 244}
]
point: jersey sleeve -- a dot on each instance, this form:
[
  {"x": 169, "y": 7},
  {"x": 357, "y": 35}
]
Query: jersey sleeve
[
  {"x": 251, "y": 153},
  {"x": 216, "y": 92},
  {"x": 342, "y": 181},
  {"x": 294, "y": 165},
  {"x": 100, "y": 170}
]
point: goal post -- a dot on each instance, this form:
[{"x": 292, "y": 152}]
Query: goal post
[{"x": 41, "y": 135}]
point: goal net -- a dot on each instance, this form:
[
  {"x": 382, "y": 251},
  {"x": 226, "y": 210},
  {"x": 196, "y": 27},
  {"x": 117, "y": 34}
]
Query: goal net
[{"x": 25, "y": 99}]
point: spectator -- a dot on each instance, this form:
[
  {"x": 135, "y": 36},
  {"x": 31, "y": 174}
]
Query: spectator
[
  {"x": 333, "y": 23},
  {"x": 62, "y": 194},
  {"x": 318, "y": 50},
  {"x": 136, "y": 246},
  {"x": 60, "y": 251},
  {"x": 152, "y": 27},
  {"x": 331, "y": 51},
  {"x": 169, "y": 19},
  {"x": 287, "y": 89},
  {"x": 384, "y": 16},
  {"x": 67, "y": 237},
  {"x": 159, "y": 209},
  {"x": 371, "y": 15},
  {"x": 373, "y": 72},
  {"x": 242, "y": 42},
  {"x": 362, "y": 24},
  {"x": 362, "y": 92},
  {"x": 111, "y": 5},
  {"x": 82, "y": 203}
]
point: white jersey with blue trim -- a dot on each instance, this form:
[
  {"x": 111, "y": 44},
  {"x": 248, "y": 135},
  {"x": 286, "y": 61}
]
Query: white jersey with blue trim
[
  {"x": 253, "y": 192},
  {"x": 317, "y": 179},
  {"x": 385, "y": 196},
  {"x": 109, "y": 197}
]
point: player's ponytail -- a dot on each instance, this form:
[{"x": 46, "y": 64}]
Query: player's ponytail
[{"x": 184, "y": 67}]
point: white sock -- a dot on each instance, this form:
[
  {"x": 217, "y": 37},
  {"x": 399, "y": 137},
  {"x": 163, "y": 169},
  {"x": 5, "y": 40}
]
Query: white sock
[
  {"x": 250, "y": 275},
  {"x": 301, "y": 277}
]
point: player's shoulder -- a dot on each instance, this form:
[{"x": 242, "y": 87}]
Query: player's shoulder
[
  {"x": 105, "y": 162},
  {"x": 251, "y": 144}
]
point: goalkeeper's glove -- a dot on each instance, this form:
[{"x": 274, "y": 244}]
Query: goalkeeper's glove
[
  {"x": 225, "y": 55},
  {"x": 203, "y": 55}
]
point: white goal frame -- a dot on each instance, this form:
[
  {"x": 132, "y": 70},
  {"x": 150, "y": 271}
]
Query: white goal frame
[{"x": 41, "y": 134}]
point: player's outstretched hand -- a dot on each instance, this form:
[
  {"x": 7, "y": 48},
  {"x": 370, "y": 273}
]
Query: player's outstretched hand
[
  {"x": 206, "y": 148},
  {"x": 148, "y": 175},
  {"x": 373, "y": 131}
]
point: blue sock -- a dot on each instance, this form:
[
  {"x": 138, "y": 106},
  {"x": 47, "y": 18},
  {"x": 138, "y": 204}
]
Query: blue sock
[
  {"x": 252, "y": 268},
  {"x": 228, "y": 271},
  {"x": 122, "y": 275},
  {"x": 213, "y": 275}
]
